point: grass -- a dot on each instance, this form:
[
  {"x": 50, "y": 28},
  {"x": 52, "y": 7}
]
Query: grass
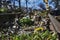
[{"x": 38, "y": 35}]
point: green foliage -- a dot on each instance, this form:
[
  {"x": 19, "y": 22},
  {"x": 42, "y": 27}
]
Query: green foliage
[
  {"x": 37, "y": 36},
  {"x": 25, "y": 21},
  {"x": 3, "y": 10},
  {"x": 2, "y": 36},
  {"x": 45, "y": 35},
  {"x": 43, "y": 13}
]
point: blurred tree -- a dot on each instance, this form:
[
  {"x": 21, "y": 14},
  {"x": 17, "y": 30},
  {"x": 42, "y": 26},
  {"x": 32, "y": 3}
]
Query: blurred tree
[
  {"x": 56, "y": 2},
  {"x": 5, "y": 3},
  {"x": 26, "y": 5},
  {"x": 41, "y": 5},
  {"x": 13, "y": 4},
  {"x": 0, "y": 3},
  {"x": 20, "y": 4}
]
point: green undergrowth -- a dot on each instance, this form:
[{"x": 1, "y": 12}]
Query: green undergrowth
[{"x": 45, "y": 35}]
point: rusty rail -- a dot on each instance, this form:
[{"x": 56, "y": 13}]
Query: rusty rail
[{"x": 55, "y": 23}]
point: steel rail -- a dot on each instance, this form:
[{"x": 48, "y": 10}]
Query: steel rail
[{"x": 55, "y": 23}]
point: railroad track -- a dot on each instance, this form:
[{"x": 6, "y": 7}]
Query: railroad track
[{"x": 56, "y": 25}]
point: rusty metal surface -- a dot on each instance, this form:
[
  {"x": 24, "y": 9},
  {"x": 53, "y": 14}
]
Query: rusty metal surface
[{"x": 55, "y": 23}]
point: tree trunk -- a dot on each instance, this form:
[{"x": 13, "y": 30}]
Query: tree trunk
[
  {"x": 14, "y": 4},
  {"x": 19, "y": 3},
  {"x": 26, "y": 5}
]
